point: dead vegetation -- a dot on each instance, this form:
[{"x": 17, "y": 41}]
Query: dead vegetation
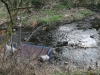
[{"x": 14, "y": 66}]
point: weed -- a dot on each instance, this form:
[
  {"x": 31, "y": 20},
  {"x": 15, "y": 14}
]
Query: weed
[
  {"x": 82, "y": 14},
  {"x": 54, "y": 18},
  {"x": 50, "y": 12},
  {"x": 2, "y": 13},
  {"x": 86, "y": 13},
  {"x": 60, "y": 73},
  {"x": 60, "y": 7}
]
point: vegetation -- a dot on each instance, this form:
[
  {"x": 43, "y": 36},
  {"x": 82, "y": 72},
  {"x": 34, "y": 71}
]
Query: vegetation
[
  {"x": 54, "y": 18},
  {"x": 82, "y": 14},
  {"x": 33, "y": 12},
  {"x": 2, "y": 13}
]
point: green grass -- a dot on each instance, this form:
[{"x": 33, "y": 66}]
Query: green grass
[
  {"x": 54, "y": 18},
  {"x": 86, "y": 12},
  {"x": 49, "y": 12},
  {"x": 82, "y": 14},
  {"x": 60, "y": 73},
  {"x": 51, "y": 16},
  {"x": 2, "y": 13},
  {"x": 60, "y": 7},
  {"x": 48, "y": 16},
  {"x": 63, "y": 5}
]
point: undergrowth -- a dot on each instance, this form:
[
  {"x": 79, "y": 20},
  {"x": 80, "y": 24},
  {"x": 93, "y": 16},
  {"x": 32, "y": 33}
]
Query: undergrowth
[
  {"x": 54, "y": 18},
  {"x": 82, "y": 14}
]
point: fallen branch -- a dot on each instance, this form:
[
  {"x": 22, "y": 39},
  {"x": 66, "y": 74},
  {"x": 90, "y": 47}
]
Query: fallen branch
[{"x": 34, "y": 32}]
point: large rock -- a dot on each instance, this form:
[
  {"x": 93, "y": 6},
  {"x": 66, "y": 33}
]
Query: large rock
[
  {"x": 83, "y": 44},
  {"x": 81, "y": 57},
  {"x": 88, "y": 38},
  {"x": 74, "y": 36}
]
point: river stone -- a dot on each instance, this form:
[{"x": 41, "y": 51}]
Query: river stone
[
  {"x": 78, "y": 38},
  {"x": 81, "y": 57},
  {"x": 81, "y": 38},
  {"x": 88, "y": 42}
]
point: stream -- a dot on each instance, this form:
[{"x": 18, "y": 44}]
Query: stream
[{"x": 77, "y": 43}]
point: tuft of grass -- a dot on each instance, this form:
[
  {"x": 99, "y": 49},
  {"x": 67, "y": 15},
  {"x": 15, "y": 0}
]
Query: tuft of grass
[
  {"x": 54, "y": 18},
  {"x": 60, "y": 73},
  {"x": 2, "y": 13},
  {"x": 49, "y": 12},
  {"x": 86, "y": 12},
  {"x": 60, "y": 7},
  {"x": 82, "y": 14}
]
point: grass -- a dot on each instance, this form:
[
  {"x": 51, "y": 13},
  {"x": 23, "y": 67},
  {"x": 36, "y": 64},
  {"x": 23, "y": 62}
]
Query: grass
[
  {"x": 60, "y": 7},
  {"x": 49, "y": 12},
  {"x": 86, "y": 12},
  {"x": 13, "y": 67},
  {"x": 82, "y": 14},
  {"x": 54, "y": 18},
  {"x": 60, "y": 73},
  {"x": 2, "y": 13},
  {"x": 76, "y": 71},
  {"x": 48, "y": 16}
]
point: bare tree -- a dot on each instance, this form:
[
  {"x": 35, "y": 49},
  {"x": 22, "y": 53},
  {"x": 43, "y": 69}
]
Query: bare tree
[{"x": 13, "y": 10}]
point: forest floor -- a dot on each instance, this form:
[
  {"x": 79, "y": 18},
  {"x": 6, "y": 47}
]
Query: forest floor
[{"x": 32, "y": 17}]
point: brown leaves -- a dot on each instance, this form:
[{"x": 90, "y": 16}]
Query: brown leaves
[{"x": 2, "y": 32}]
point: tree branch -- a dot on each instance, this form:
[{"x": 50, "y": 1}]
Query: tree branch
[
  {"x": 22, "y": 8},
  {"x": 7, "y": 7}
]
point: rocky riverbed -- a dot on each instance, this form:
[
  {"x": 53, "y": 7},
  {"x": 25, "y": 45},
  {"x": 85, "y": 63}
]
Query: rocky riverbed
[{"x": 78, "y": 43}]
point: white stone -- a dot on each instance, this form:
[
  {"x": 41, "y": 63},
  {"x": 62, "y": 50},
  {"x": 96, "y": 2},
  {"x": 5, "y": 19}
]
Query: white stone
[
  {"x": 67, "y": 15},
  {"x": 45, "y": 57},
  {"x": 88, "y": 42}
]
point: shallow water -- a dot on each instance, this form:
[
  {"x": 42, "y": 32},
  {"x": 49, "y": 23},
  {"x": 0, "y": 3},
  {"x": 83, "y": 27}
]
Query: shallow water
[{"x": 78, "y": 42}]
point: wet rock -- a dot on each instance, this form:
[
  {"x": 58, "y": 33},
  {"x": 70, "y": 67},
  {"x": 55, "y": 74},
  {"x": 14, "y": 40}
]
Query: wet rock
[
  {"x": 64, "y": 43},
  {"x": 73, "y": 36},
  {"x": 77, "y": 43},
  {"x": 84, "y": 25},
  {"x": 82, "y": 47},
  {"x": 96, "y": 24},
  {"x": 82, "y": 38},
  {"x": 82, "y": 57},
  {"x": 58, "y": 50}
]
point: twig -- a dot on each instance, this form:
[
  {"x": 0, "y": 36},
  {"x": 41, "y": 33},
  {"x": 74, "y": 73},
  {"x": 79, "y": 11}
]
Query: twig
[
  {"x": 34, "y": 32},
  {"x": 32, "y": 60},
  {"x": 21, "y": 8}
]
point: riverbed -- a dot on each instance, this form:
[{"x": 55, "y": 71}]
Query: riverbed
[{"x": 77, "y": 43}]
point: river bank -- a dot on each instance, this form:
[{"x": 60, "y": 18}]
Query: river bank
[{"x": 76, "y": 39}]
